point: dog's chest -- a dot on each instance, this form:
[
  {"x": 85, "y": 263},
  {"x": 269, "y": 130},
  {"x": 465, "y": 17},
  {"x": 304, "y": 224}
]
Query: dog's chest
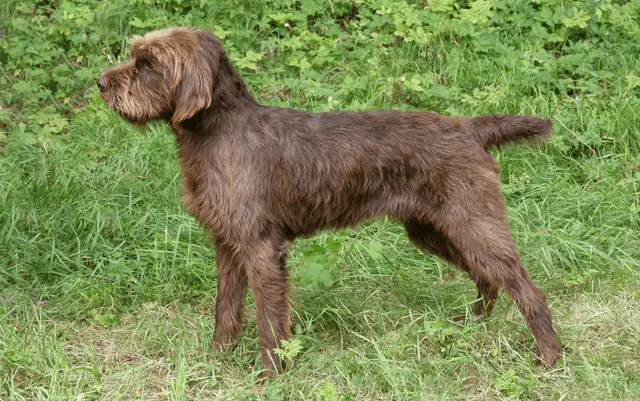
[
  {"x": 211, "y": 192},
  {"x": 199, "y": 190}
]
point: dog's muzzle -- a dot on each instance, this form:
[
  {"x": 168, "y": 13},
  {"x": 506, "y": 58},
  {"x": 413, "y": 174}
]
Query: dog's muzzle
[{"x": 102, "y": 83}]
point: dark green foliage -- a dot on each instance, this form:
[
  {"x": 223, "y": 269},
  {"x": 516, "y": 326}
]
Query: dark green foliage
[{"x": 107, "y": 285}]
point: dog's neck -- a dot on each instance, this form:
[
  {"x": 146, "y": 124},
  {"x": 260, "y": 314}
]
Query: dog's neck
[
  {"x": 230, "y": 90},
  {"x": 230, "y": 96}
]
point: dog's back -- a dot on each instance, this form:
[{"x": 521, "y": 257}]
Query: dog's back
[{"x": 321, "y": 170}]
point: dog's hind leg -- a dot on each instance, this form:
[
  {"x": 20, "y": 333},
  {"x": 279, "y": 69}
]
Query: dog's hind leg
[
  {"x": 428, "y": 239},
  {"x": 473, "y": 220}
]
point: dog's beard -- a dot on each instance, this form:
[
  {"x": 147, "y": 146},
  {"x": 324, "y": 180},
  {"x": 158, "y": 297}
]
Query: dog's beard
[
  {"x": 135, "y": 103},
  {"x": 130, "y": 111},
  {"x": 136, "y": 119}
]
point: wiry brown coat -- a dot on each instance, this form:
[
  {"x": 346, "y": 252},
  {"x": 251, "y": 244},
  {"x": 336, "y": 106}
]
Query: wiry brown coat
[{"x": 257, "y": 177}]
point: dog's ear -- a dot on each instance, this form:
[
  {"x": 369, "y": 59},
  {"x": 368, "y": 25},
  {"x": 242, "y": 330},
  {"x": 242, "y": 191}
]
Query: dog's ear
[{"x": 195, "y": 76}]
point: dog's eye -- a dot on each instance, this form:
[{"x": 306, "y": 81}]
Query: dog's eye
[{"x": 143, "y": 65}]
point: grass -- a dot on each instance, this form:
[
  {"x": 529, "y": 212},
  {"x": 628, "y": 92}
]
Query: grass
[{"x": 107, "y": 286}]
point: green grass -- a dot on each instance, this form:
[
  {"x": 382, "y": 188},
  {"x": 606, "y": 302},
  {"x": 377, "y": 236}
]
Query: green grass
[{"x": 107, "y": 286}]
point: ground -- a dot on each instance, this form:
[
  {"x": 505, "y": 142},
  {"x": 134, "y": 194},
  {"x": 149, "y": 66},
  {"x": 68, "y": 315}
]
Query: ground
[{"x": 107, "y": 285}]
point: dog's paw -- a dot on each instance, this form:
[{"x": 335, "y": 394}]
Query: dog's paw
[
  {"x": 548, "y": 361},
  {"x": 464, "y": 319},
  {"x": 265, "y": 375},
  {"x": 221, "y": 343}
]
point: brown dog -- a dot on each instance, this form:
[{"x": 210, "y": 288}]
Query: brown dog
[{"x": 257, "y": 177}]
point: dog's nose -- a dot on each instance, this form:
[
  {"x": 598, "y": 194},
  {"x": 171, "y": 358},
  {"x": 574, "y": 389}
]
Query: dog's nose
[{"x": 102, "y": 83}]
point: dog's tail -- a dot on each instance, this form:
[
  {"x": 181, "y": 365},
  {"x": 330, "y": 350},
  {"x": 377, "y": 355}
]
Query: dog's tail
[{"x": 497, "y": 129}]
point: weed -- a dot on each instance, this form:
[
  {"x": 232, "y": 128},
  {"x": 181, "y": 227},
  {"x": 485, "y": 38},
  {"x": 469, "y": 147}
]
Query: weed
[{"x": 107, "y": 286}]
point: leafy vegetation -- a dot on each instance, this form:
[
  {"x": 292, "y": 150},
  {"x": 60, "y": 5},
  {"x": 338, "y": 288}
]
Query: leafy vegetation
[{"x": 107, "y": 286}]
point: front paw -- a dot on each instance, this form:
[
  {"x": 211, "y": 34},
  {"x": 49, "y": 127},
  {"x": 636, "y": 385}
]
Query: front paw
[{"x": 223, "y": 342}]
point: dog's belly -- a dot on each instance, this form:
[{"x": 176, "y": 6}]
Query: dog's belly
[{"x": 307, "y": 218}]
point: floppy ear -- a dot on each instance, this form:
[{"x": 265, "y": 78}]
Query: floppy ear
[{"x": 194, "y": 90}]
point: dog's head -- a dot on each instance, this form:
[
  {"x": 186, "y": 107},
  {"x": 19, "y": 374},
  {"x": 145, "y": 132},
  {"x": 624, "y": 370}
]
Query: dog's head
[{"x": 170, "y": 76}]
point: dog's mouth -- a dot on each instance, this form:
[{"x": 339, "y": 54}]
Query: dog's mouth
[
  {"x": 113, "y": 103},
  {"x": 122, "y": 106}
]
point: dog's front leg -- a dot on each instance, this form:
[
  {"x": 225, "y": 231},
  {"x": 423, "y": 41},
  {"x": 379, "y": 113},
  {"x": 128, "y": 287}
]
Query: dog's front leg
[
  {"x": 232, "y": 285},
  {"x": 268, "y": 281}
]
